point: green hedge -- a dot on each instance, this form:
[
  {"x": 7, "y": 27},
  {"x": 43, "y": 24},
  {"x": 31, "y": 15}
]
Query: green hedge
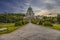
[
  {"x": 47, "y": 23},
  {"x": 40, "y": 22},
  {"x": 20, "y": 23}
]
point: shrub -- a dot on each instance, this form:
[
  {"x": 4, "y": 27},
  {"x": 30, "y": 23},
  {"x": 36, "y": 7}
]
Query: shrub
[
  {"x": 34, "y": 22},
  {"x": 58, "y": 18},
  {"x": 18, "y": 24},
  {"x": 47, "y": 23},
  {"x": 24, "y": 22},
  {"x": 40, "y": 22}
]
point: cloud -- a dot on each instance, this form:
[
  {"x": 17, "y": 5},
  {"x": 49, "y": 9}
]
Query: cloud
[
  {"x": 22, "y": 5},
  {"x": 49, "y": 1}
]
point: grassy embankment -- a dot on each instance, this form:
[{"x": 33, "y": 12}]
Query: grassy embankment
[
  {"x": 10, "y": 28},
  {"x": 56, "y": 26}
]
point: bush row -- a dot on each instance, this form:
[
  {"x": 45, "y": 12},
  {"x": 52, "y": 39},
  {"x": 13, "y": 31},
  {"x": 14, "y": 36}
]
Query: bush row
[
  {"x": 41, "y": 22},
  {"x": 20, "y": 23}
]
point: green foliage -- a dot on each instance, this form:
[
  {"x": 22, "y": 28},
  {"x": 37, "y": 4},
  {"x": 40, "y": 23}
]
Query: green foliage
[
  {"x": 10, "y": 17},
  {"x": 10, "y": 27},
  {"x": 18, "y": 24},
  {"x": 37, "y": 21},
  {"x": 22, "y": 22},
  {"x": 47, "y": 23},
  {"x": 51, "y": 19},
  {"x": 40, "y": 22},
  {"x": 52, "y": 22},
  {"x": 12, "y": 22},
  {"x": 34, "y": 21},
  {"x": 25, "y": 21},
  {"x": 58, "y": 18},
  {"x": 56, "y": 26}
]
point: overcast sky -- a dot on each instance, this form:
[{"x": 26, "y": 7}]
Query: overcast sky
[{"x": 22, "y": 5}]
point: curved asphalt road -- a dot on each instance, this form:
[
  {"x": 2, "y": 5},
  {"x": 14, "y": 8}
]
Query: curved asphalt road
[{"x": 32, "y": 32}]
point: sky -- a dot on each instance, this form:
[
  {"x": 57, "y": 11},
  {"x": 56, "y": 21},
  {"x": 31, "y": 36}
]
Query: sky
[{"x": 37, "y": 5}]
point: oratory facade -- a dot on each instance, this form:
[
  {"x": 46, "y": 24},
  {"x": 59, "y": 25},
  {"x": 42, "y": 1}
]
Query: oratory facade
[{"x": 30, "y": 13}]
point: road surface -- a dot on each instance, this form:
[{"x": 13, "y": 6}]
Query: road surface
[{"x": 32, "y": 32}]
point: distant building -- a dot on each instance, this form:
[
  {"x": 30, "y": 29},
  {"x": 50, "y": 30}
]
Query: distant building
[
  {"x": 40, "y": 16},
  {"x": 30, "y": 13}
]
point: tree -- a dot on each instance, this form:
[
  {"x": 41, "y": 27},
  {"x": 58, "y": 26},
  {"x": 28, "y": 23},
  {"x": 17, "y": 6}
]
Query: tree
[
  {"x": 58, "y": 18},
  {"x": 10, "y": 17}
]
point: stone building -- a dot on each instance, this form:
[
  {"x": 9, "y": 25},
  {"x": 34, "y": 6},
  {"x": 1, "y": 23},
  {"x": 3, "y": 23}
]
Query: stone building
[{"x": 30, "y": 13}]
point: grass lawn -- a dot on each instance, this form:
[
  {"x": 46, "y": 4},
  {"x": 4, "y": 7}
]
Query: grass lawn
[
  {"x": 10, "y": 27},
  {"x": 56, "y": 26}
]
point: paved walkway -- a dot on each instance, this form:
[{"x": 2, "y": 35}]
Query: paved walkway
[{"x": 32, "y": 32}]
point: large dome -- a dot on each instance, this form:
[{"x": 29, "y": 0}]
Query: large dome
[
  {"x": 30, "y": 13},
  {"x": 29, "y": 8}
]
